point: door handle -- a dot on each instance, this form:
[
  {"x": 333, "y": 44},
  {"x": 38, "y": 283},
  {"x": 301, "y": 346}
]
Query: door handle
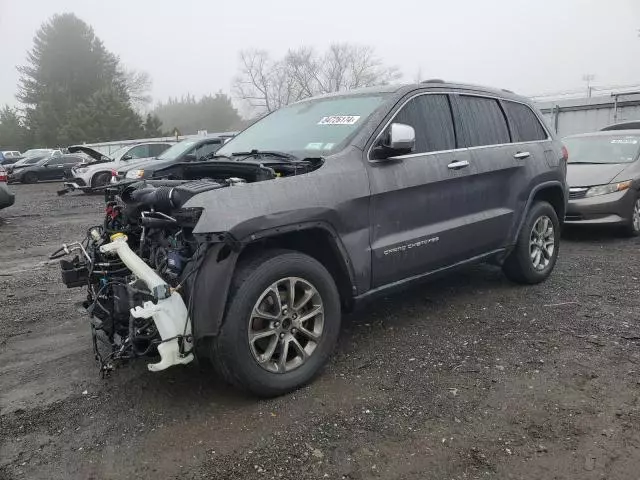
[
  {"x": 522, "y": 155},
  {"x": 458, "y": 165}
]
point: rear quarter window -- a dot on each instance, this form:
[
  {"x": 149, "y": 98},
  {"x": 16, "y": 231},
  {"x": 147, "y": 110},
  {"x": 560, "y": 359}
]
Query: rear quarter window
[
  {"x": 483, "y": 120},
  {"x": 525, "y": 124}
]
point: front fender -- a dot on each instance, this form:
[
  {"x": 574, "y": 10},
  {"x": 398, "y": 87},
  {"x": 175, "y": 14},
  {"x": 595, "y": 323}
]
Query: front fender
[{"x": 211, "y": 287}]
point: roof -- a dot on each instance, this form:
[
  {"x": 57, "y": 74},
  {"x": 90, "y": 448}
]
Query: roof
[
  {"x": 429, "y": 84},
  {"x": 608, "y": 133}
]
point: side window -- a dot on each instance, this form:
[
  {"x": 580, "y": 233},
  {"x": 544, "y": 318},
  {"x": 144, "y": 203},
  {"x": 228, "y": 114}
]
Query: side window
[
  {"x": 156, "y": 149},
  {"x": 526, "y": 126},
  {"x": 56, "y": 161},
  {"x": 430, "y": 116},
  {"x": 207, "y": 148},
  {"x": 139, "y": 151},
  {"x": 483, "y": 121}
]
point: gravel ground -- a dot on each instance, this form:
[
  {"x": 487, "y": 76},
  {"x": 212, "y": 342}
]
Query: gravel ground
[{"x": 467, "y": 377}]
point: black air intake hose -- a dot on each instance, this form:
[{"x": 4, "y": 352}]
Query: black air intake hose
[{"x": 159, "y": 198}]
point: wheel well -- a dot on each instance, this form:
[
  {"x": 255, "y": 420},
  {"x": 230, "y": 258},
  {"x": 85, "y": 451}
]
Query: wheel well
[
  {"x": 555, "y": 197},
  {"x": 93, "y": 177},
  {"x": 317, "y": 243}
]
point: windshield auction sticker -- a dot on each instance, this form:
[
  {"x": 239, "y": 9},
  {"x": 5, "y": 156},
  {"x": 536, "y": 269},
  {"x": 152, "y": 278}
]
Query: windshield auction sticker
[{"x": 339, "y": 120}]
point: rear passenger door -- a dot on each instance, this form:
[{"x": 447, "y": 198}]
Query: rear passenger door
[
  {"x": 418, "y": 219},
  {"x": 532, "y": 149},
  {"x": 497, "y": 173}
]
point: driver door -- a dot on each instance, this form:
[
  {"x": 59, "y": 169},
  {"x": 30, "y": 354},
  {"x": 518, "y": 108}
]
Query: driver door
[
  {"x": 418, "y": 206},
  {"x": 53, "y": 169}
]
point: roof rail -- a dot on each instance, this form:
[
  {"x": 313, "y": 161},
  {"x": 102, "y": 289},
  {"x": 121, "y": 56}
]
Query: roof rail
[
  {"x": 508, "y": 91},
  {"x": 433, "y": 80}
]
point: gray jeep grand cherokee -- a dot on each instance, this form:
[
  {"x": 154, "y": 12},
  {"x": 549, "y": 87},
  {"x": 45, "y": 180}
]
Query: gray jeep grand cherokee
[{"x": 312, "y": 210}]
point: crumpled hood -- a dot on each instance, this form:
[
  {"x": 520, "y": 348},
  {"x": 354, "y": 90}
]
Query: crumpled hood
[{"x": 587, "y": 175}]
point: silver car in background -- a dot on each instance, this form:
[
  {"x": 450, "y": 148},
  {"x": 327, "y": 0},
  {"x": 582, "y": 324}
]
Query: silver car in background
[
  {"x": 603, "y": 173},
  {"x": 98, "y": 172}
]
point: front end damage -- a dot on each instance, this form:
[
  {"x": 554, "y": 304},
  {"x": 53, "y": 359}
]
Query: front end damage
[
  {"x": 154, "y": 286},
  {"x": 138, "y": 268}
]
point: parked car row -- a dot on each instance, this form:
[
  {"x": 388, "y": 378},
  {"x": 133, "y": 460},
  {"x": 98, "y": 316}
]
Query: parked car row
[
  {"x": 9, "y": 156},
  {"x": 39, "y": 167},
  {"x": 97, "y": 173}
]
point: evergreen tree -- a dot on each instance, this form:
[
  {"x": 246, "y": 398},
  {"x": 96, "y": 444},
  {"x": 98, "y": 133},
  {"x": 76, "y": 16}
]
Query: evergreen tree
[
  {"x": 152, "y": 126},
  {"x": 214, "y": 113},
  {"x": 12, "y": 132},
  {"x": 69, "y": 73}
]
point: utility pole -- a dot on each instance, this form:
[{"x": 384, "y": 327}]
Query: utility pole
[{"x": 588, "y": 77}]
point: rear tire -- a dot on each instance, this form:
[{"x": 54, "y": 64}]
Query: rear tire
[
  {"x": 536, "y": 252},
  {"x": 262, "y": 317},
  {"x": 100, "y": 179},
  {"x": 29, "y": 177},
  {"x": 632, "y": 229}
]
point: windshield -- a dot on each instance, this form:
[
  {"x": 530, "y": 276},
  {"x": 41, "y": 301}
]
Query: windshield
[
  {"x": 119, "y": 152},
  {"x": 31, "y": 160},
  {"x": 35, "y": 151},
  {"x": 311, "y": 128},
  {"x": 603, "y": 149},
  {"x": 176, "y": 151}
]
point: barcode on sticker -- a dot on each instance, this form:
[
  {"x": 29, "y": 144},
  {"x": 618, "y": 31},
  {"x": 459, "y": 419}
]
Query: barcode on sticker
[{"x": 339, "y": 120}]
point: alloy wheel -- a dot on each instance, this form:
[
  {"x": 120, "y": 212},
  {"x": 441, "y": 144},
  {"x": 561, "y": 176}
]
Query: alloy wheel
[
  {"x": 542, "y": 242},
  {"x": 635, "y": 217},
  {"x": 286, "y": 325}
]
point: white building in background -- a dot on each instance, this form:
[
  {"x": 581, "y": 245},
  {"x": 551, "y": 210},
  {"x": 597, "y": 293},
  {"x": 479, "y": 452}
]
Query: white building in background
[{"x": 569, "y": 114}]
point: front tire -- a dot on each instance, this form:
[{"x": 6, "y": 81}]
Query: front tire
[
  {"x": 632, "y": 229},
  {"x": 536, "y": 252},
  {"x": 281, "y": 326},
  {"x": 101, "y": 179},
  {"x": 29, "y": 177}
]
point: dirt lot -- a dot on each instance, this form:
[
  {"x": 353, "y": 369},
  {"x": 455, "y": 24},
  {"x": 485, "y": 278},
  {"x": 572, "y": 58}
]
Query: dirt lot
[{"x": 467, "y": 377}]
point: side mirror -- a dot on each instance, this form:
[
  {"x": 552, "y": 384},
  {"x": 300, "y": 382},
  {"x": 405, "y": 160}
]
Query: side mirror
[
  {"x": 190, "y": 157},
  {"x": 399, "y": 140},
  {"x": 126, "y": 157}
]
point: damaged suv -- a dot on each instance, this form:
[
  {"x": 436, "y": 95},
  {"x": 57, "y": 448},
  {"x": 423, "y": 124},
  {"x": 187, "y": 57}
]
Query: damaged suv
[{"x": 249, "y": 259}]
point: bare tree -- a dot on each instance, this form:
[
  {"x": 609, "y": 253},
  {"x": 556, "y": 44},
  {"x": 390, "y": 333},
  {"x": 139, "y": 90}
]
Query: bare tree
[
  {"x": 268, "y": 85},
  {"x": 138, "y": 85}
]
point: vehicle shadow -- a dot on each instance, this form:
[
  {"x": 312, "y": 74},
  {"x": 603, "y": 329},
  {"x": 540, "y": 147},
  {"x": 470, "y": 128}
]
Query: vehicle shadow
[
  {"x": 198, "y": 383},
  {"x": 593, "y": 234}
]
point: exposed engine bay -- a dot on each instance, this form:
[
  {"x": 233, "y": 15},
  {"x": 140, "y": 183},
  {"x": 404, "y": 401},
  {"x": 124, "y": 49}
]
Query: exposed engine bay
[{"x": 137, "y": 265}]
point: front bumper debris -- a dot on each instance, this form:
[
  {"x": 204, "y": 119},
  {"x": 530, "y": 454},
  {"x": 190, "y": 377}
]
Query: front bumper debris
[{"x": 169, "y": 313}]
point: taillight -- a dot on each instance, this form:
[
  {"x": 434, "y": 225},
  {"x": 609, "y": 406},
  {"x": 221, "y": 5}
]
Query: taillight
[
  {"x": 565, "y": 154},
  {"x": 3, "y": 176}
]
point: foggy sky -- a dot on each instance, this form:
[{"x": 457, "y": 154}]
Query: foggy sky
[{"x": 190, "y": 46}]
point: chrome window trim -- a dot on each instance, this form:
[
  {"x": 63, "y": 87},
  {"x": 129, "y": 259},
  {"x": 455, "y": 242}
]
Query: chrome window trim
[{"x": 471, "y": 94}]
